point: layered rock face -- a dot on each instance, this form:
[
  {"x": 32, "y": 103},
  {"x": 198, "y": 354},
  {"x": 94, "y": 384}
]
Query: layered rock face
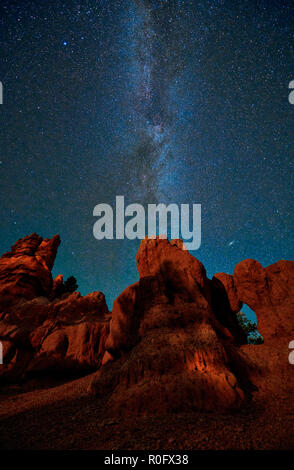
[
  {"x": 39, "y": 332},
  {"x": 270, "y": 293},
  {"x": 25, "y": 271},
  {"x": 171, "y": 353}
]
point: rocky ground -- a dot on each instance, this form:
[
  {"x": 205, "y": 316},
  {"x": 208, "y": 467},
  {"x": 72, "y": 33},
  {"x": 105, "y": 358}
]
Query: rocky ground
[{"x": 56, "y": 415}]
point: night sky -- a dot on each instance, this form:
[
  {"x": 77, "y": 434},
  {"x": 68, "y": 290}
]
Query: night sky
[{"x": 159, "y": 101}]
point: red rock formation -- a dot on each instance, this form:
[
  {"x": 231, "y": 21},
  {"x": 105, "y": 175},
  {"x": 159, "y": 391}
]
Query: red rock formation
[
  {"x": 270, "y": 293},
  {"x": 173, "y": 342},
  {"x": 25, "y": 271},
  {"x": 57, "y": 286},
  {"x": 73, "y": 335},
  {"x": 155, "y": 256},
  {"x": 68, "y": 333},
  {"x": 174, "y": 336},
  {"x": 171, "y": 353},
  {"x": 227, "y": 282},
  {"x": 226, "y": 303}
]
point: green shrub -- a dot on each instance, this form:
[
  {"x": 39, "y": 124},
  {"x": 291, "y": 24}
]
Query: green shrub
[{"x": 250, "y": 329}]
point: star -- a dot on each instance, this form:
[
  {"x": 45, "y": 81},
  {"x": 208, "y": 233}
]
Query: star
[{"x": 142, "y": 99}]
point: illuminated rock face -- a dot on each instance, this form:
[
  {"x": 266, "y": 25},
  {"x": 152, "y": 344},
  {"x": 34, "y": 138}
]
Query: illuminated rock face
[
  {"x": 270, "y": 293},
  {"x": 170, "y": 352},
  {"x": 25, "y": 271},
  {"x": 66, "y": 334}
]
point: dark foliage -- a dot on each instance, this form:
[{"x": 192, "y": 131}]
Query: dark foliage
[
  {"x": 250, "y": 329},
  {"x": 70, "y": 285}
]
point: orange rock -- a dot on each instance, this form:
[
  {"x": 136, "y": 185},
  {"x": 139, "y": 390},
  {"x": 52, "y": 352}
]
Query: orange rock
[
  {"x": 25, "y": 271},
  {"x": 57, "y": 286},
  {"x": 230, "y": 289},
  {"x": 68, "y": 333},
  {"x": 155, "y": 254},
  {"x": 170, "y": 352},
  {"x": 172, "y": 342},
  {"x": 269, "y": 292},
  {"x": 226, "y": 303}
]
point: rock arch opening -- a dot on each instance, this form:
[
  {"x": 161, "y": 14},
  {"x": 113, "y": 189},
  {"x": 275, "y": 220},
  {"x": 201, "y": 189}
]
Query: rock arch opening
[{"x": 248, "y": 320}]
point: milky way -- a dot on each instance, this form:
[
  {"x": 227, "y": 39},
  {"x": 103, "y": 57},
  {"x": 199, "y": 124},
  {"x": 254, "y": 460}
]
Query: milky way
[
  {"x": 159, "y": 101},
  {"x": 149, "y": 75}
]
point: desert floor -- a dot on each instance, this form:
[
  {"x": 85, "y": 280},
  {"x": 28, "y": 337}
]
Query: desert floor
[{"x": 53, "y": 414}]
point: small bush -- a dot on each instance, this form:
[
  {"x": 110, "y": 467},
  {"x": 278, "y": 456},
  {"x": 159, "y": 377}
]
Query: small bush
[
  {"x": 250, "y": 329},
  {"x": 70, "y": 285}
]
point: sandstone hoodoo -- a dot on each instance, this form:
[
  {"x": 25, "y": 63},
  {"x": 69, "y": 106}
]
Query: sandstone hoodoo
[
  {"x": 171, "y": 352},
  {"x": 39, "y": 331},
  {"x": 25, "y": 270}
]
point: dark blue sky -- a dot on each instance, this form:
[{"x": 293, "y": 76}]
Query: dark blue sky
[{"x": 160, "y": 101}]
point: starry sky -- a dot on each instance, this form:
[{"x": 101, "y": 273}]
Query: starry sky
[{"x": 180, "y": 101}]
